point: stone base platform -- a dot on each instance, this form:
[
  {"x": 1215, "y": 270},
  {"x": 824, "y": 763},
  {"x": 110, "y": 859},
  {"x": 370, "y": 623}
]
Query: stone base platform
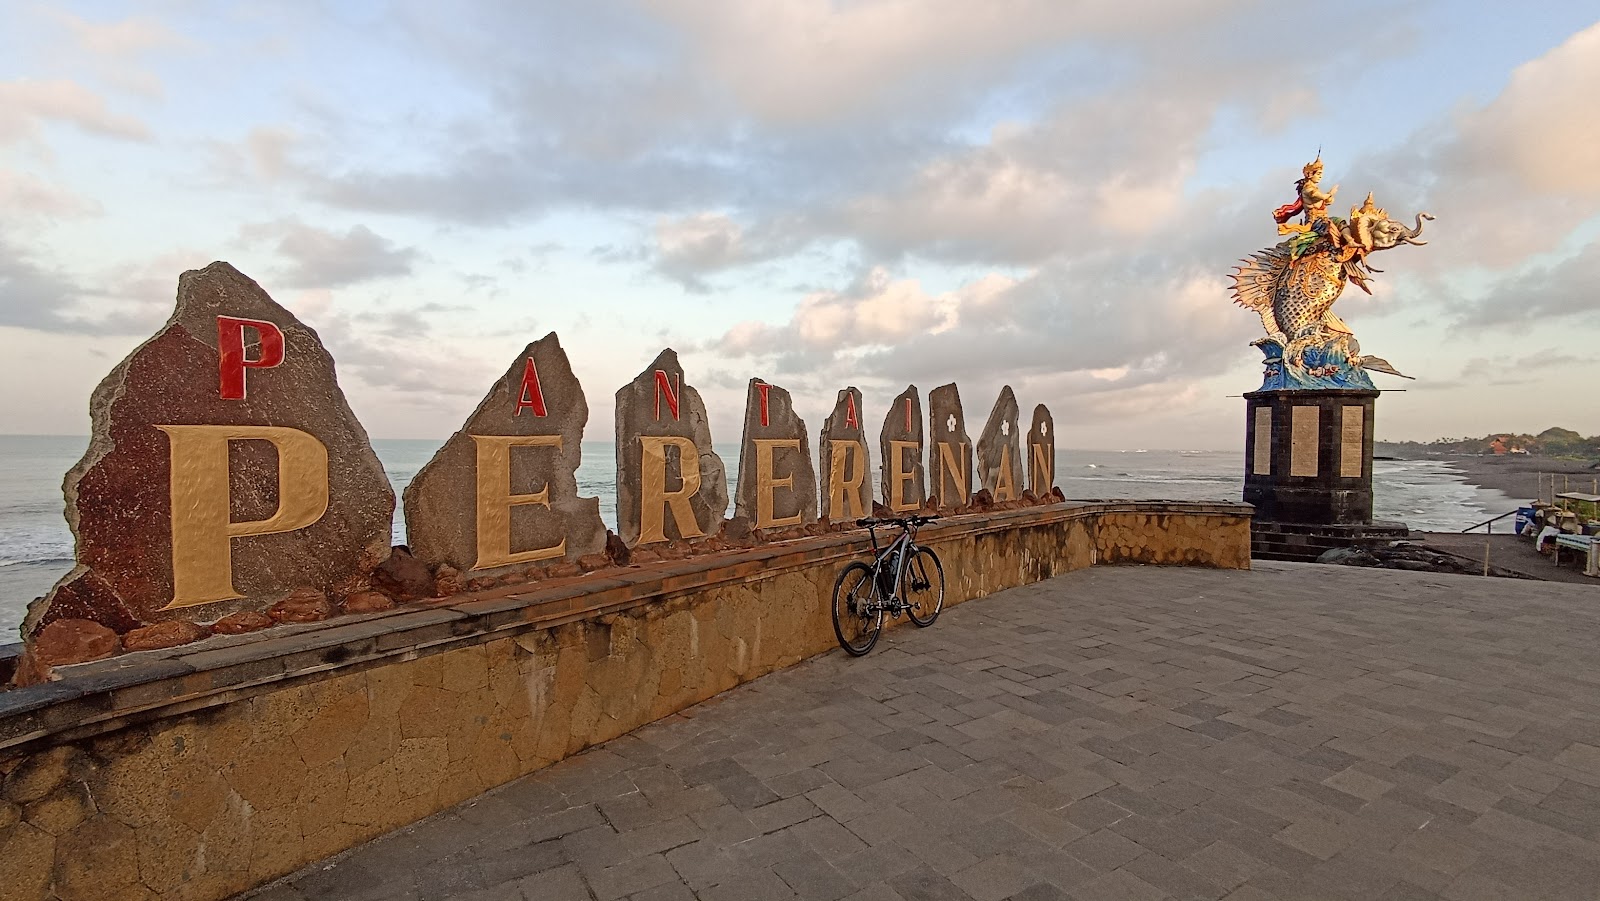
[
  {"x": 202, "y": 771},
  {"x": 1305, "y": 542},
  {"x": 1116, "y": 733}
]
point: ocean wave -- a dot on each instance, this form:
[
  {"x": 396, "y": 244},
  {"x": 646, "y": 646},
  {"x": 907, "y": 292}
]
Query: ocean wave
[{"x": 36, "y": 561}]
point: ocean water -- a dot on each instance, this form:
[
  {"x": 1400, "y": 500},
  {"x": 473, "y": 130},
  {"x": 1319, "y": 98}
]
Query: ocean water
[{"x": 36, "y": 545}]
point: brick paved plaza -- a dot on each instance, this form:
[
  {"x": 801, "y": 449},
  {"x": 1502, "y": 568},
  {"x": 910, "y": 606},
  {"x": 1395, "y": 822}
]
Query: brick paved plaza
[{"x": 1118, "y": 733}]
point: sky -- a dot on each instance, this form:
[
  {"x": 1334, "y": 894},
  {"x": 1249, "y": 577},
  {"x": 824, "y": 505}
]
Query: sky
[{"x": 1040, "y": 193}]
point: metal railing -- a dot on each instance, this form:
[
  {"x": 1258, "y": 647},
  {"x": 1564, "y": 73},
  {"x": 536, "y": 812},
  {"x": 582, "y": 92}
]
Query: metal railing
[
  {"x": 1488, "y": 527},
  {"x": 1489, "y": 522}
]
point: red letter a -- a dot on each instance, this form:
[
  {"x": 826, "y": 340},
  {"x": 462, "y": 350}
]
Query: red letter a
[{"x": 530, "y": 396}]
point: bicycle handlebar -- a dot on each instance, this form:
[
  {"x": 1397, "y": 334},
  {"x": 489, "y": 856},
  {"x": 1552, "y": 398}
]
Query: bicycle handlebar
[{"x": 906, "y": 521}]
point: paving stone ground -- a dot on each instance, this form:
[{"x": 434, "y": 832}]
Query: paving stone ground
[{"x": 1294, "y": 732}]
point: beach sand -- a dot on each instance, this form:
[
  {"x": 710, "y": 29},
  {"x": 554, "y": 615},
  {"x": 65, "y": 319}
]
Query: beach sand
[{"x": 1519, "y": 476}]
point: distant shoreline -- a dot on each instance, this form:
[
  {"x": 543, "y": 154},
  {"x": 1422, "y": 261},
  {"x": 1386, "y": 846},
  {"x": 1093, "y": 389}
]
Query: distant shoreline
[{"x": 1518, "y": 475}]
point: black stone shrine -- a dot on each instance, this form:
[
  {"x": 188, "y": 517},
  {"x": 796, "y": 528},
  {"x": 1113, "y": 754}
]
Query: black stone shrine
[{"x": 1308, "y": 472}]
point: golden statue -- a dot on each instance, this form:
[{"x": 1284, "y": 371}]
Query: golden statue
[
  {"x": 1311, "y": 201},
  {"x": 1294, "y": 284}
]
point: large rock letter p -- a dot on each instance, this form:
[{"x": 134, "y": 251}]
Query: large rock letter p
[{"x": 202, "y": 527}]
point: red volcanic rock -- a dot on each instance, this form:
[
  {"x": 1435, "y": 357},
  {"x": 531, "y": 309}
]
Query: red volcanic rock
[
  {"x": 303, "y": 605},
  {"x": 231, "y": 433},
  {"x": 561, "y": 571},
  {"x": 241, "y": 622},
  {"x": 367, "y": 602},
  {"x": 1057, "y": 496},
  {"x": 169, "y": 634},
  {"x": 645, "y": 555},
  {"x": 68, "y": 641},
  {"x": 738, "y": 528},
  {"x": 591, "y": 562},
  {"x": 879, "y": 511},
  {"x": 30, "y": 671},
  {"x": 617, "y": 549},
  {"x": 447, "y": 581},
  {"x": 982, "y": 500},
  {"x": 404, "y": 577},
  {"x": 481, "y": 583}
]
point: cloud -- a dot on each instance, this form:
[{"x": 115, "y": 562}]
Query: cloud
[
  {"x": 122, "y": 300},
  {"x": 26, "y": 104},
  {"x": 21, "y": 194},
  {"x": 31, "y": 294},
  {"x": 700, "y": 109},
  {"x": 1511, "y": 178},
  {"x": 322, "y": 258},
  {"x": 801, "y": 62},
  {"x": 126, "y": 38},
  {"x": 687, "y": 247},
  {"x": 1541, "y": 293},
  {"x": 115, "y": 50}
]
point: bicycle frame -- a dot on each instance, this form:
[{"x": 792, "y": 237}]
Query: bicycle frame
[{"x": 906, "y": 547}]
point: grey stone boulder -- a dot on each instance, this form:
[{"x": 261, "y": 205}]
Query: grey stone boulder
[
  {"x": 844, "y": 462},
  {"x": 1000, "y": 450},
  {"x": 904, "y": 484},
  {"x": 501, "y": 495},
  {"x": 777, "y": 486},
  {"x": 949, "y": 449},
  {"x": 670, "y": 482}
]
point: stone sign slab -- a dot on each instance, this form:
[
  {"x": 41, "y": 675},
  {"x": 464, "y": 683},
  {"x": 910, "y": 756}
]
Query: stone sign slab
[
  {"x": 844, "y": 462},
  {"x": 777, "y": 487},
  {"x": 225, "y": 470},
  {"x": 670, "y": 482},
  {"x": 1041, "y": 453},
  {"x": 949, "y": 448},
  {"x": 502, "y": 494},
  {"x": 1000, "y": 450},
  {"x": 904, "y": 486}
]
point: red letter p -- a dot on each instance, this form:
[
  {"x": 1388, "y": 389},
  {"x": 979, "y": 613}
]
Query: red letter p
[{"x": 230, "y": 352}]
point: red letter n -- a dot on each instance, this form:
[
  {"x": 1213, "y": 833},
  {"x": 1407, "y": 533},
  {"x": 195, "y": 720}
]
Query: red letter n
[
  {"x": 664, "y": 388},
  {"x": 231, "y": 361}
]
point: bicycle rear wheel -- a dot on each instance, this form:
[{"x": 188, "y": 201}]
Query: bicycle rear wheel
[
  {"x": 923, "y": 587},
  {"x": 857, "y": 610}
]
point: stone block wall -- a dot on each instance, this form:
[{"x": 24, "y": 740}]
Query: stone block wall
[{"x": 204, "y": 771}]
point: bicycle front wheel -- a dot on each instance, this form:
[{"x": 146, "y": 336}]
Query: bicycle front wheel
[
  {"x": 923, "y": 587},
  {"x": 857, "y": 611}
]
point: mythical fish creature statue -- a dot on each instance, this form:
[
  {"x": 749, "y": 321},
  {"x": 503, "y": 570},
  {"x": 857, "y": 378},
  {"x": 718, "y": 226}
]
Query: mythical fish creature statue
[{"x": 1294, "y": 284}]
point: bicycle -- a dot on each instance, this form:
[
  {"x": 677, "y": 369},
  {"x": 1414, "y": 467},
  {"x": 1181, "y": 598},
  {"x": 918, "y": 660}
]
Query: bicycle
[{"x": 904, "y": 577}]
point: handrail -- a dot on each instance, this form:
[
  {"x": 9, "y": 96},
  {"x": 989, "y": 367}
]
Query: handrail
[{"x": 1488, "y": 521}]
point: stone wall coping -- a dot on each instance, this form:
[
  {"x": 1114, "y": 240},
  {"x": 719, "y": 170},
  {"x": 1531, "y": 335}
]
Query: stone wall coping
[{"x": 91, "y": 698}]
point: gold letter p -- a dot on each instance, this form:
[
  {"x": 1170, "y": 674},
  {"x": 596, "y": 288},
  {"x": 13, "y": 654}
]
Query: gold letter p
[{"x": 202, "y": 527}]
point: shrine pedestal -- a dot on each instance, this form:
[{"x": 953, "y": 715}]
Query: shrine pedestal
[{"x": 1308, "y": 472}]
